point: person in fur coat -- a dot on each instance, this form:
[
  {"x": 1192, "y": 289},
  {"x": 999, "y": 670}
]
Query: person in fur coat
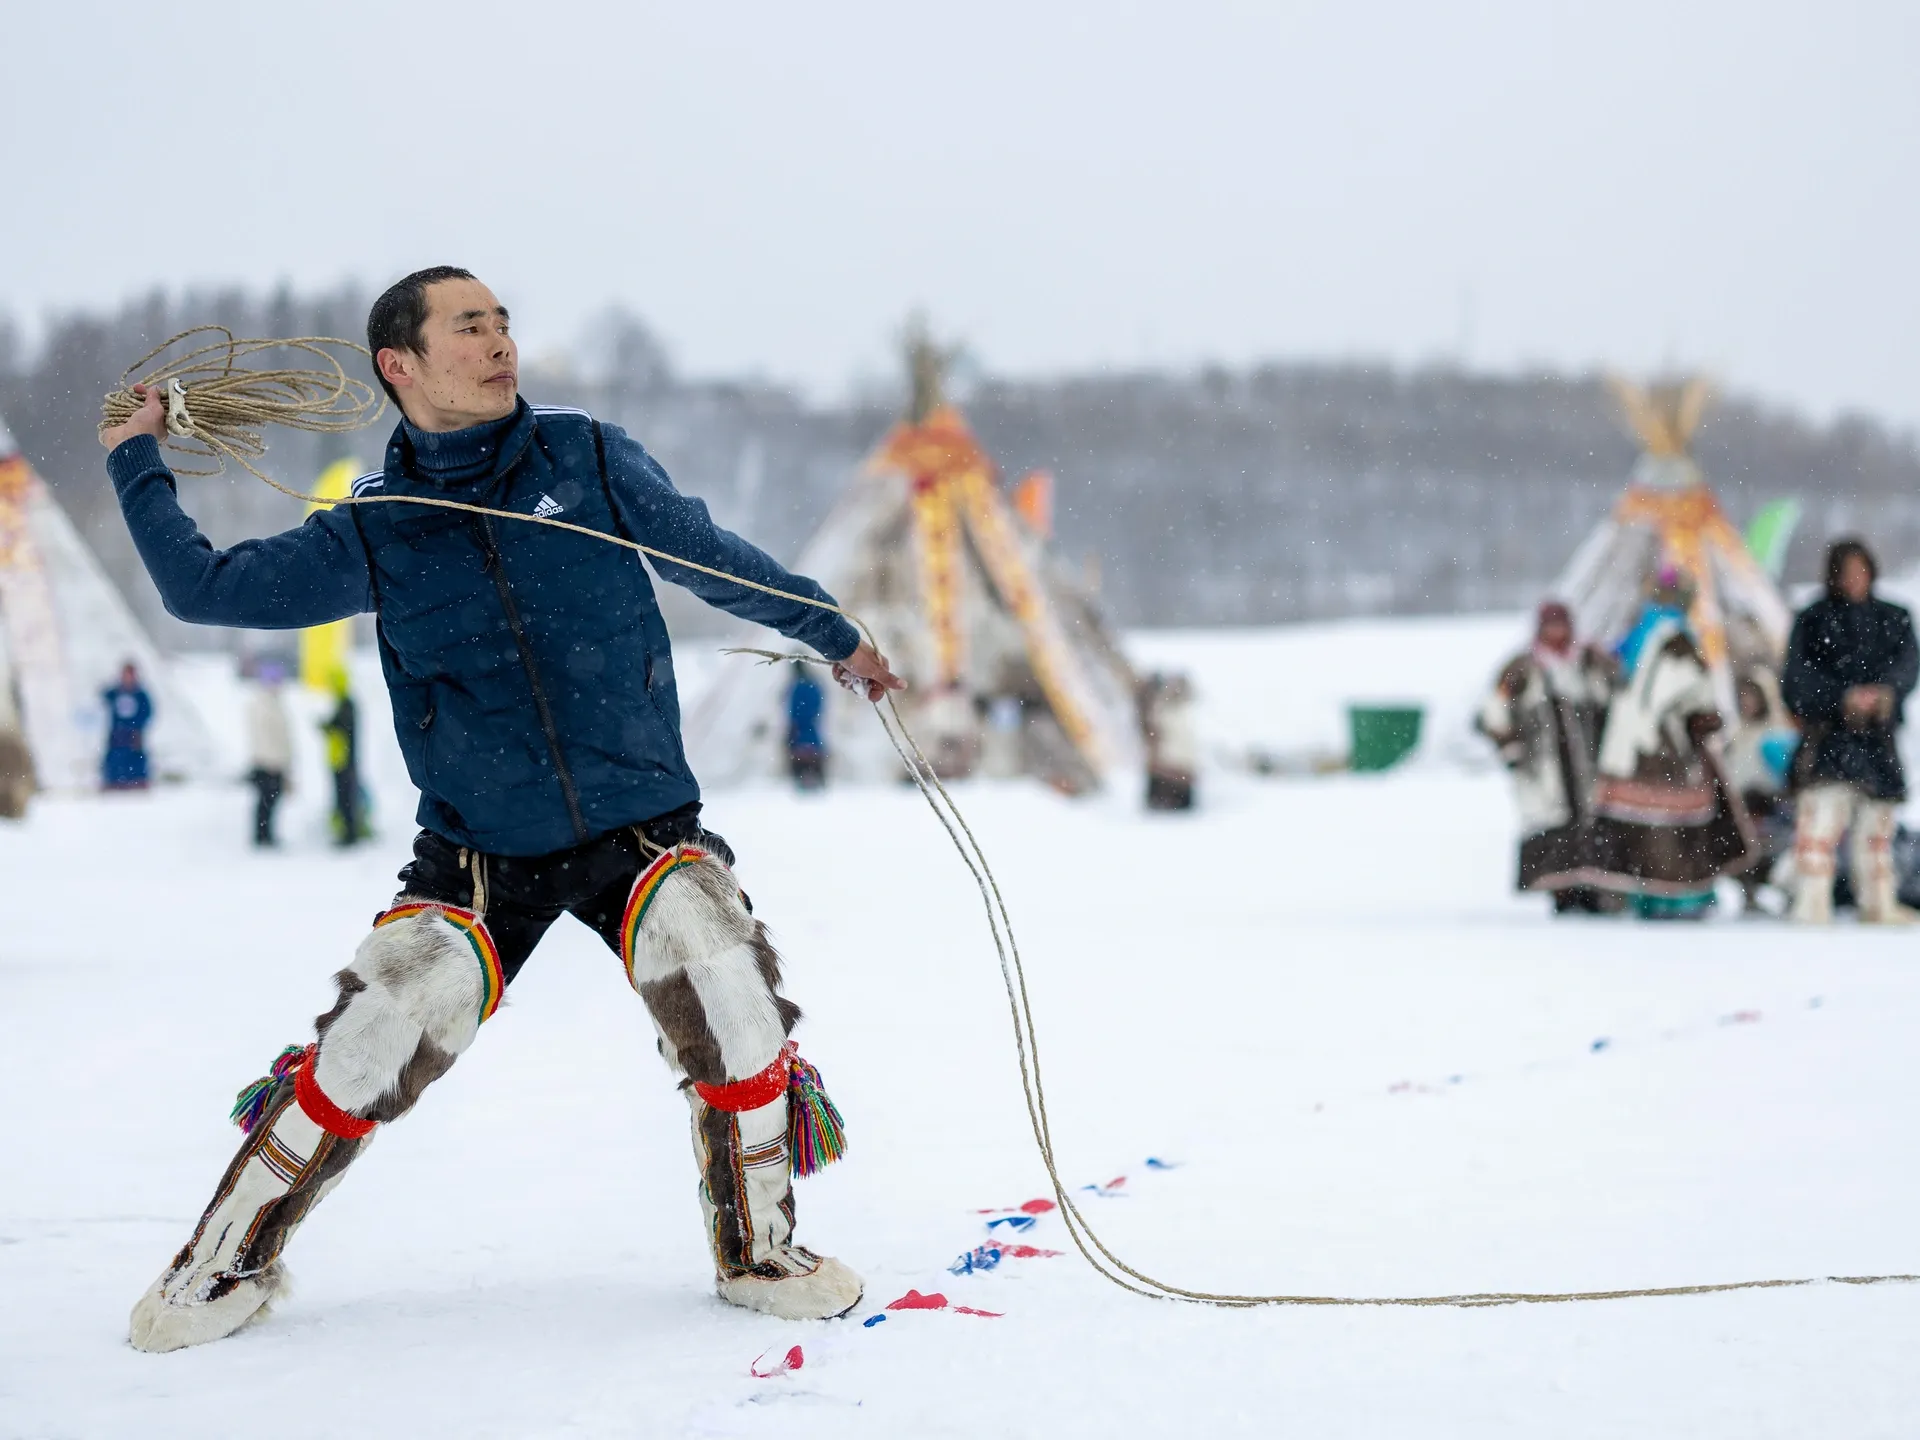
[
  {"x": 1666, "y": 823},
  {"x": 1544, "y": 715},
  {"x": 1851, "y": 663}
]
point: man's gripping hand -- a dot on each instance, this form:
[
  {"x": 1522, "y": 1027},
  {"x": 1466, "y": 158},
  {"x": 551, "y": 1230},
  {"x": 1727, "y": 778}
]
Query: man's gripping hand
[
  {"x": 865, "y": 672},
  {"x": 149, "y": 419}
]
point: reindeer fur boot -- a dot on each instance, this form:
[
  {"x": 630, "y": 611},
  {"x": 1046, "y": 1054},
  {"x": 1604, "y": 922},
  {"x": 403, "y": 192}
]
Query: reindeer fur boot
[
  {"x": 417, "y": 990},
  {"x": 1825, "y": 811},
  {"x": 1876, "y": 883},
  {"x": 710, "y": 980}
]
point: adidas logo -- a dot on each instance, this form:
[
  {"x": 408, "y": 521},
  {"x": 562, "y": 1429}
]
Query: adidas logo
[{"x": 547, "y": 508}]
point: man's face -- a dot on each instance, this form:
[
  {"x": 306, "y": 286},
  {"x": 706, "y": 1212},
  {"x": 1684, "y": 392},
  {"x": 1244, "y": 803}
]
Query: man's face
[
  {"x": 468, "y": 369},
  {"x": 1555, "y": 634},
  {"x": 1856, "y": 579}
]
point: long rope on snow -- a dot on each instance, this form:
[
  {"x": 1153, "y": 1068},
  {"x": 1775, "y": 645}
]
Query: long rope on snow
[{"x": 222, "y": 408}]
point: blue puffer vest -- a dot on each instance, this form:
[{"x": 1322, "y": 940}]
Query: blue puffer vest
[{"x": 530, "y": 669}]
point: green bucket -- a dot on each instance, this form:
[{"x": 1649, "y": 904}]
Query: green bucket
[{"x": 1383, "y": 735}]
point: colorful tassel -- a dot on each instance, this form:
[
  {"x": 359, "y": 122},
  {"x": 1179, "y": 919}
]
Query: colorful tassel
[
  {"x": 252, "y": 1101},
  {"x": 816, "y": 1135}
]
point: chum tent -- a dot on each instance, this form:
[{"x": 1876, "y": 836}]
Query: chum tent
[
  {"x": 64, "y": 634},
  {"x": 1011, "y": 666},
  {"x": 1669, "y": 516}
]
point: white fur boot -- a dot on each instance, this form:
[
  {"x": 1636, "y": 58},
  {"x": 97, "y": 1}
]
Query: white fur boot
[
  {"x": 230, "y": 1269},
  {"x": 810, "y": 1287},
  {"x": 163, "y": 1322},
  {"x": 1813, "y": 899},
  {"x": 1824, "y": 811},
  {"x": 417, "y": 990},
  {"x": 709, "y": 976},
  {"x": 1875, "y": 884},
  {"x": 746, "y": 1198}
]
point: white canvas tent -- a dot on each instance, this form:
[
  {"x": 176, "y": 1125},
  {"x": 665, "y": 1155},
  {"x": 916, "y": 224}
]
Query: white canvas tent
[
  {"x": 64, "y": 634},
  {"x": 971, "y": 607},
  {"x": 1669, "y": 515}
]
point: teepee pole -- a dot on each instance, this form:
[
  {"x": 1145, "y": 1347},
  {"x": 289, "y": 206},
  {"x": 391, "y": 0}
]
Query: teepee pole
[{"x": 1052, "y": 658}]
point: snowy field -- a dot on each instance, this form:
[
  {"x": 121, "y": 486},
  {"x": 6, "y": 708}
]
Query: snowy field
[
  {"x": 1285, "y": 689},
  {"x": 1375, "y": 1069}
]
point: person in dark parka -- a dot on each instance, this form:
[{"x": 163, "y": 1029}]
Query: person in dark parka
[{"x": 1851, "y": 663}]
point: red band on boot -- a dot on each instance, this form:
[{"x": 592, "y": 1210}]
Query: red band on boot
[
  {"x": 738, "y": 1096},
  {"x": 322, "y": 1111}
]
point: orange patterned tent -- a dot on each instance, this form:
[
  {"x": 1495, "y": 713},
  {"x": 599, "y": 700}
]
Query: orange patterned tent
[
  {"x": 1670, "y": 516},
  {"x": 956, "y": 504},
  {"x": 972, "y": 607}
]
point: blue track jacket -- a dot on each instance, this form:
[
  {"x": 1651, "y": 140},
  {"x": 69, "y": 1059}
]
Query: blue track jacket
[{"x": 530, "y": 670}]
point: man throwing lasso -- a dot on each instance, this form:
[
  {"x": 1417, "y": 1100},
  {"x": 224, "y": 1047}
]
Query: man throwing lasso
[{"x": 533, "y": 697}]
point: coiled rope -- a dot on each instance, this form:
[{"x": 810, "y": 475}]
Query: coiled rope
[
  {"x": 222, "y": 409},
  {"x": 216, "y": 409}
]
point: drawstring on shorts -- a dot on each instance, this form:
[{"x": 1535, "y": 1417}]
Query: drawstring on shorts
[{"x": 476, "y": 864}]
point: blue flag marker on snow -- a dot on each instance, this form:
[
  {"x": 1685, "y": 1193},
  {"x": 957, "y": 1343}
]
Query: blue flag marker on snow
[{"x": 980, "y": 1258}]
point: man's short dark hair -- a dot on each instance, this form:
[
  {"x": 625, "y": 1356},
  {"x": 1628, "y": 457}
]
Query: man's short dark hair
[
  {"x": 1837, "y": 555},
  {"x": 400, "y": 315}
]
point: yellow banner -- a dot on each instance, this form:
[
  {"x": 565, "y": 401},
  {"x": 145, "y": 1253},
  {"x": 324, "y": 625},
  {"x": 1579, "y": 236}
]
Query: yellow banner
[
  {"x": 323, "y": 648},
  {"x": 936, "y": 536}
]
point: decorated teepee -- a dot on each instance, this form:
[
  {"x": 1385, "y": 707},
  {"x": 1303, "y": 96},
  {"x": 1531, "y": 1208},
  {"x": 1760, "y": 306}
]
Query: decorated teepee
[
  {"x": 64, "y": 634},
  {"x": 1669, "y": 516},
  {"x": 1002, "y": 644}
]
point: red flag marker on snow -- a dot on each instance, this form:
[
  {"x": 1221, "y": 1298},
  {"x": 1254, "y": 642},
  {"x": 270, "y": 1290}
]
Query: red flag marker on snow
[
  {"x": 1028, "y": 1207},
  {"x": 786, "y": 1364},
  {"x": 914, "y": 1300}
]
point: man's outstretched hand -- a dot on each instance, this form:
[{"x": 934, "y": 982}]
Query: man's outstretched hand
[
  {"x": 149, "y": 419},
  {"x": 865, "y": 672}
]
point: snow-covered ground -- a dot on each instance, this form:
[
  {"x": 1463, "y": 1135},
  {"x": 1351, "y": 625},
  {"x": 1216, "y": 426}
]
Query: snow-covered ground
[
  {"x": 1284, "y": 690},
  {"x": 1376, "y": 1071}
]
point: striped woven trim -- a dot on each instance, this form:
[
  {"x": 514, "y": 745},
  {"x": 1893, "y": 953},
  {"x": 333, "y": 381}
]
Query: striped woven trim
[
  {"x": 644, "y": 889},
  {"x": 493, "y": 983},
  {"x": 285, "y": 1165},
  {"x": 774, "y": 1152}
]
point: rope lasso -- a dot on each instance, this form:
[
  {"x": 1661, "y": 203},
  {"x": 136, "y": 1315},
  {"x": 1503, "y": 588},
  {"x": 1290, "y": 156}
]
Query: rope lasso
[
  {"x": 224, "y": 412},
  {"x": 216, "y": 409}
]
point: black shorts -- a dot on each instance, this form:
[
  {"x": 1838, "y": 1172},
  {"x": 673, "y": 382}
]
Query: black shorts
[{"x": 527, "y": 893}]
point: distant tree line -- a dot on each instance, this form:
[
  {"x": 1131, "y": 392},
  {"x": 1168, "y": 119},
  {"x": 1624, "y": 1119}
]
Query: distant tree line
[{"x": 1280, "y": 492}]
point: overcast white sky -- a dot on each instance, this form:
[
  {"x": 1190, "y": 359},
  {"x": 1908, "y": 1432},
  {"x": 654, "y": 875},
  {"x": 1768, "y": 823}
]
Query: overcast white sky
[{"x": 1064, "y": 186}]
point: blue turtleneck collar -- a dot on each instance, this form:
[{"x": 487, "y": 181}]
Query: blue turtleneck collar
[{"x": 455, "y": 457}]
